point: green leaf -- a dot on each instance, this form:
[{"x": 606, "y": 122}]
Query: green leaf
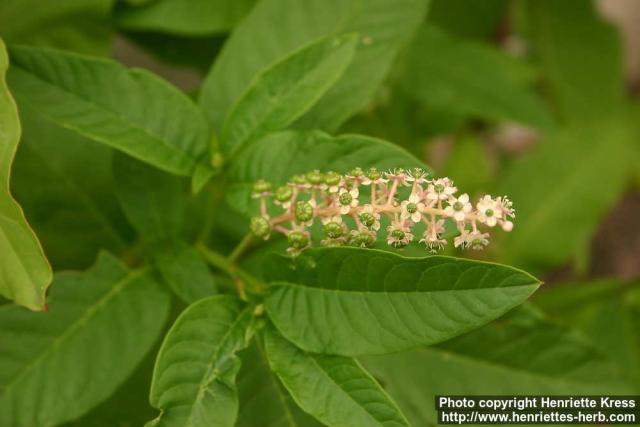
[
  {"x": 475, "y": 19},
  {"x": 354, "y": 302},
  {"x": 133, "y": 111},
  {"x": 194, "y": 378},
  {"x": 560, "y": 207},
  {"x": 334, "y": 389},
  {"x": 264, "y": 402},
  {"x": 78, "y": 25},
  {"x": 470, "y": 77},
  {"x": 100, "y": 324},
  {"x": 469, "y": 164},
  {"x": 151, "y": 199},
  {"x": 580, "y": 54},
  {"x": 279, "y": 156},
  {"x": 129, "y": 405},
  {"x": 25, "y": 273},
  {"x": 521, "y": 353},
  {"x": 187, "y": 17},
  {"x": 275, "y": 28},
  {"x": 183, "y": 268},
  {"x": 64, "y": 182},
  {"x": 287, "y": 89},
  {"x": 598, "y": 309}
]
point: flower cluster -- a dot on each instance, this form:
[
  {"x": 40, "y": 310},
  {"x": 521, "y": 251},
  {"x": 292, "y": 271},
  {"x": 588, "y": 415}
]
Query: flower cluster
[{"x": 351, "y": 209}]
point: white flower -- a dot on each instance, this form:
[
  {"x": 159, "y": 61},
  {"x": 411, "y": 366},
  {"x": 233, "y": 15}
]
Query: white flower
[
  {"x": 336, "y": 218},
  {"x": 434, "y": 243},
  {"x": 416, "y": 175},
  {"x": 379, "y": 181},
  {"x": 369, "y": 218},
  {"x": 477, "y": 240},
  {"x": 462, "y": 240},
  {"x": 506, "y": 207},
  {"x": 399, "y": 234},
  {"x": 412, "y": 208},
  {"x": 489, "y": 211},
  {"x": 396, "y": 175},
  {"x": 458, "y": 207},
  {"x": 432, "y": 236},
  {"x": 347, "y": 199},
  {"x": 441, "y": 189}
]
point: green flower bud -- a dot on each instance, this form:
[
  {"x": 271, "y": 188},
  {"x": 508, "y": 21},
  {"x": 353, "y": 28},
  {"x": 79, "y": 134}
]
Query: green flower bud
[
  {"x": 332, "y": 178},
  {"x": 314, "y": 177},
  {"x": 356, "y": 172},
  {"x": 345, "y": 198},
  {"x": 260, "y": 226},
  {"x": 304, "y": 211},
  {"x": 418, "y": 173},
  {"x": 398, "y": 238},
  {"x": 373, "y": 174},
  {"x": 299, "y": 179},
  {"x": 298, "y": 239},
  {"x": 363, "y": 239},
  {"x": 398, "y": 234},
  {"x": 261, "y": 186},
  {"x": 367, "y": 219},
  {"x": 333, "y": 230},
  {"x": 284, "y": 193}
]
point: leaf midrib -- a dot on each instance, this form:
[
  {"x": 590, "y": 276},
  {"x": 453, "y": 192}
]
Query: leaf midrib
[
  {"x": 326, "y": 374},
  {"x": 208, "y": 379},
  {"x": 283, "y": 284},
  {"x": 72, "y": 327}
]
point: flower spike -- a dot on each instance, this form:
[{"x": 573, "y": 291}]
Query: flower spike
[{"x": 352, "y": 207}]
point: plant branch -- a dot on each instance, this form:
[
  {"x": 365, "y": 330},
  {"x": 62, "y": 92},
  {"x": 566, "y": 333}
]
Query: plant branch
[
  {"x": 241, "y": 278},
  {"x": 244, "y": 244}
]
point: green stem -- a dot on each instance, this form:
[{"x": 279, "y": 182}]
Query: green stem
[
  {"x": 240, "y": 248},
  {"x": 240, "y": 276}
]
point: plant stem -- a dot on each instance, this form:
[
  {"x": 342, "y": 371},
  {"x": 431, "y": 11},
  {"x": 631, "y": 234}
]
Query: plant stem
[
  {"x": 240, "y": 277},
  {"x": 240, "y": 248}
]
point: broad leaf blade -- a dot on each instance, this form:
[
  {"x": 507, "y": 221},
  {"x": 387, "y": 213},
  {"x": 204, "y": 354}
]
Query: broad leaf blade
[
  {"x": 184, "y": 270},
  {"x": 299, "y": 152},
  {"x": 64, "y": 183},
  {"x": 286, "y": 90},
  {"x": 130, "y": 110},
  {"x": 151, "y": 199},
  {"x": 25, "y": 273},
  {"x": 580, "y": 54},
  {"x": 184, "y": 17},
  {"x": 264, "y": 402},
  {"x": 100, "y": 324},
  {"x": 520, "y": 352},
  {"x": 334, "y": 389},
  {"x": 597, "y": 308},
  {"x": 194, "y": 378},
  {"x": 78, "y": 25},
  {"x": 354, "y": 302},
  {"x": 562, "y": 206},
  {"x": 275, "y": 28},
  {"x": 451, "y": 74}
]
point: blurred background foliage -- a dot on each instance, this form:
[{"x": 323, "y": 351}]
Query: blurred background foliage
[{"x": 535, "y": 99}]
